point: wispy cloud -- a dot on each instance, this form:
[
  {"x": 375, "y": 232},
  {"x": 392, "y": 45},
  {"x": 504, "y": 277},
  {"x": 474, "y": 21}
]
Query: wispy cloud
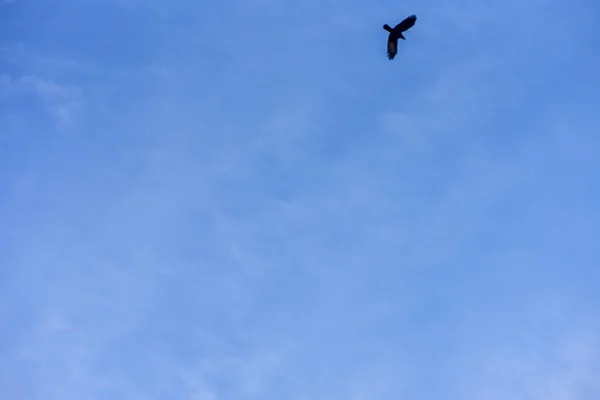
[{"x": 60, "y": 101}]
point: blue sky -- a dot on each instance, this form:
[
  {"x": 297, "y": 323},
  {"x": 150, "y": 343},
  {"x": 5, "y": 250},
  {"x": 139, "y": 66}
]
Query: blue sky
[{"x": 246, "y": 200}]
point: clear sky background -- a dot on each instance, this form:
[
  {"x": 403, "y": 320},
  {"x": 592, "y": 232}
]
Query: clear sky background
[{"x": 245, "y": 199}]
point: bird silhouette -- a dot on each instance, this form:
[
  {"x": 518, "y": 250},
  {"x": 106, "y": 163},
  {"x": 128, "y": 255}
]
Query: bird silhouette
[{"x": 396, "y": 33}]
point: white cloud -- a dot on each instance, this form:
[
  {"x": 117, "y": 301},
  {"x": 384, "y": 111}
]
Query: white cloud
[
  {"x": 61, "y": 101},
  {"x": 564, "y": 367}
]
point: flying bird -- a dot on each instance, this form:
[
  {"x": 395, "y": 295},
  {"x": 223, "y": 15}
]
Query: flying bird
[{"x": 396, "y": 33}]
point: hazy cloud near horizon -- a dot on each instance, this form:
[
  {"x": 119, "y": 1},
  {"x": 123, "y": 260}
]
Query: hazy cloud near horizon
[{"x": 247, "y": 200}]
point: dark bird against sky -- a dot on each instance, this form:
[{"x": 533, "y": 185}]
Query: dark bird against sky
[{"x": 396, "y": 33}]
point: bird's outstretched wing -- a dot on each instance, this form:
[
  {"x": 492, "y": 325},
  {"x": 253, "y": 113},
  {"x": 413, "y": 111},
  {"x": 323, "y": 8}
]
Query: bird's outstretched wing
[
  {"x": 392, "y": 48},
  {"x": 406, "y": 24}
]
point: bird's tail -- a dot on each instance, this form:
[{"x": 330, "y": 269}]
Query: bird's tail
[{"x": 387, "y": 28}]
